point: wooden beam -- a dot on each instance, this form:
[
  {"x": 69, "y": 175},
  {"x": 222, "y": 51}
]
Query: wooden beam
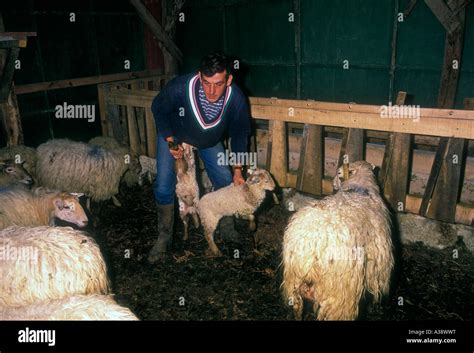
[
  {"x": 444, "y": 184},
  {"x": 7, "y": 71},
  {"x": 150, "y": 133},
  {"x": 311, "y": 165},
  {"x": 434, "y": 122},
  {"x": 448, "y": 19},
  {"x": 16, "y": 35},
  {"x": 279, "y": 152},
  {"x": 10, "y": 121},
  {"x": 84, "y": 81},
  {"x": 157, "y": 30},
  {"x": 352, "y": 145},
  {"x": 395, "y": 172}
]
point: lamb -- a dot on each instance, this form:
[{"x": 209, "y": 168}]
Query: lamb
[
  {"x": 12, "y": 174},
  {"x": 339, "y": 248},
  {"x": 187, "y": 189},
  {"x": 242, "y": 200},
  {"x": 20, "y": 154},
  {"x": 131, "y": 176},
  {"x": 78, "y": 167},
  {"x": 47, "y": 263},
  {"x": 76, "y": 307},
  {"x": 39, "y": 207}
]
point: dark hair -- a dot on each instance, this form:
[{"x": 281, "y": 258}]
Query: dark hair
[{"x": 214, "y": 63}]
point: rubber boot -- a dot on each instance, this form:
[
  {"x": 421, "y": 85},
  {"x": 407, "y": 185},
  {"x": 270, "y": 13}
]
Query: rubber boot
[
  {"x": 228, "y": 232},
  {"x": 165, "y": 215}
]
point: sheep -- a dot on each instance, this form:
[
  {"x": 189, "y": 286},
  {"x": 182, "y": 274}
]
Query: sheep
[
  {"x": 148, "y": 169},
  {"x": 78, "y": 167},
  {"x": 46, "y": 263},
  {"x": 39, "y": 207},
  {"x": 20, "y": 154},
  {"x": 294, "y": 200},
  {"x": 131, "y": 176},
  {"x": 242, "y": 199},
  {"x": 339, "y": 248},
  {"x": 12, "y": 174},
  {"x": 187, "y": 189},
  {"x": 76, "y": 307}
]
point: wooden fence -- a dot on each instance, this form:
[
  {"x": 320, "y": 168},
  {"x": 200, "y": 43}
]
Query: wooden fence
[{"x": 126, "y": 115}]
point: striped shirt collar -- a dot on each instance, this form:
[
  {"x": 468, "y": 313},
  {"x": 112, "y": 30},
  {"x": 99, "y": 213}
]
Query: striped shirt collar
[{"x": 193, "y": 100}]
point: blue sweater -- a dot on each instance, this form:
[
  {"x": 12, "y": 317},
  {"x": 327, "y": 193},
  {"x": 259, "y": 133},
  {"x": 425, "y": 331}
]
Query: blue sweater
[{"x": 178, "y": 112}]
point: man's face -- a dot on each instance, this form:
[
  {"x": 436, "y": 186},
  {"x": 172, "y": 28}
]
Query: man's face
[{"x": 214, "y": 86}]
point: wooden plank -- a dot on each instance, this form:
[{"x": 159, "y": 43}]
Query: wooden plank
[
  {"x": 435, "y": 122},
  {"x": 446, "y": 173},
  {"x": 157, "y": 30},
  {"x": 311, "y": 165},
  {"x": 446, "y": 193},
  {"x": 150, "y": 133},
  {"x": 84, "y": 81},
  {"x": 15, "y": 35},
  {"x": 140, "y": 119},
  {"x": 120, "y": 97},
  {"x": 7, "y": 71},
  {"x": 279, "y": 155},
  {"x": 133, "y": 134},
  {"x": 10, "y": 121},
  {"x": 102, "y": 109},
  {"x": 352, "y": 145},
  {"x": 395, "y": 172}
]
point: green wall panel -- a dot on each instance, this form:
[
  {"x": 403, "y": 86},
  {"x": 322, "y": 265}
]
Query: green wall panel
[
  {"x": 261, "y": 31},
  {"x": 270, "y": 81},
  {"x": 335, "y": 30},
  {"x": 337, "y": 85},
  {"x": 423, "y": 85},
  {"x": 202, "y": 32}
]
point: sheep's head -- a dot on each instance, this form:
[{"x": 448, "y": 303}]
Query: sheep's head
[
  {"x": 260, "y": 178},
  {"x": 15, "y": 173},
  {"x": 360, "y": 177},
  {"x": 68, "y": 208}
]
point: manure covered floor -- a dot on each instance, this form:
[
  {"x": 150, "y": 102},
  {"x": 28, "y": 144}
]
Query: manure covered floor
[{"x": 190, "y": 286}]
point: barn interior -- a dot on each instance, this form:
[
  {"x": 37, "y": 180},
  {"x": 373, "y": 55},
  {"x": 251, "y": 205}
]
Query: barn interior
[{"x": 319, "y": 76}]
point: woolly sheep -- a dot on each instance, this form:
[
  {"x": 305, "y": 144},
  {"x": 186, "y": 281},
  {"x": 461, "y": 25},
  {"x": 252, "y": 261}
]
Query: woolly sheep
[
  {"x": 242, "y": 200},
  {"x": 20, "y": 154},
  {"x": 131, "y": 176},
  {"x": 48, "y": 263},
  {"x": 76, "y": 307},
  {"x": 148, "y": 169},
  {"x": 40, "y": 207},
  {"x": 12, "y": 174},
  {"x": 339, "y": 248},
  {"x": 294, "y": 200},
  {"x": 78, "y": 167},
  {"x": 187, "y": 189}
]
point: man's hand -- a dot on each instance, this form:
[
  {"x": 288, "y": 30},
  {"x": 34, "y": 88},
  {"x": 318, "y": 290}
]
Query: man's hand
[
  {"x": 238, "y": 178},
  {"x": 176, "y": 152}
]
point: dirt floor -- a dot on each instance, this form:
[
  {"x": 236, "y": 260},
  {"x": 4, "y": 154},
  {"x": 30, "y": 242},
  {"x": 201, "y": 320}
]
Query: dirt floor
[{"x": 430, "y": 284}]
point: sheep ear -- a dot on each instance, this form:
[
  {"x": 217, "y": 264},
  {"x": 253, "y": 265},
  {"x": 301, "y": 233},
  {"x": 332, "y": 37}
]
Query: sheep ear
[
  {"x": 254, "y": 180},
  {"x": 77, "y": 194},
  {"x": 59, "y": 203}
]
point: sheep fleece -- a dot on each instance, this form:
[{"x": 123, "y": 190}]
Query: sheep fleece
[
  {"x": 79, "y": 167},
  {"x": 335, "y": 250},
  {"x": 77, "y": 307},
  {"x": 48, "y": 263}
]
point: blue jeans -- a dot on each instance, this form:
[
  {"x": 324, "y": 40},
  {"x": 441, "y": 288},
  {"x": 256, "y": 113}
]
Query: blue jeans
[{"x": 165, "y": 183}]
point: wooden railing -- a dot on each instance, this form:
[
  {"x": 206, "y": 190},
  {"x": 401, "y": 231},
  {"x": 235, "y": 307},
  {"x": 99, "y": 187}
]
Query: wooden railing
[{"x": 126, "y": 115}]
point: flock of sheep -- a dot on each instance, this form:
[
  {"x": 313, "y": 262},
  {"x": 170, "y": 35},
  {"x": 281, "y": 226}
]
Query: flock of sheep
[{"x": 335, "y": 250}]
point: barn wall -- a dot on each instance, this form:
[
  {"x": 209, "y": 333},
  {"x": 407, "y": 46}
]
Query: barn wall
[
  {"x": 104, "y": 34},
  {"x": 305, "y": 60}
]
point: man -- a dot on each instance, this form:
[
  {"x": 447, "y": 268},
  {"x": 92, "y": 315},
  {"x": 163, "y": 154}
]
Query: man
[{"x": 199, "y": 109}]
